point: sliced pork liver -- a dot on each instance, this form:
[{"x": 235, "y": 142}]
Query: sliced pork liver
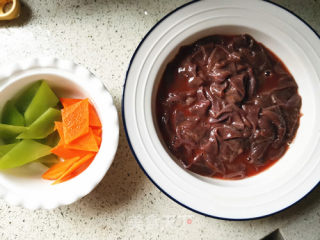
[{"x": 227, "y": 107}]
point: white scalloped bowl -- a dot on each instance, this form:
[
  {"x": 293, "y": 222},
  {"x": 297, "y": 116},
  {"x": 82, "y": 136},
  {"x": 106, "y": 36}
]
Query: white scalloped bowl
[
  {"x": 24, "y": 186},
  {"x": 273, "y": 190}
]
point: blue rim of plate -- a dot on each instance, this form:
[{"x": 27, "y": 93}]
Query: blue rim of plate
[{"x": 131, "y": 147}]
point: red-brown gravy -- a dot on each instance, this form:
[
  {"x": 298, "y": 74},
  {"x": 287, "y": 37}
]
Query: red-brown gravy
[{"x": 227, "y": 107}]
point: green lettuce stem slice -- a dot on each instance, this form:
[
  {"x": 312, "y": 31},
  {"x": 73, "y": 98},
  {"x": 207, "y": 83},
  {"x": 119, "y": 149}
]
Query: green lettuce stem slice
[
  {"x": 49, "y": 160},
  {"x": 22, "y": 102},
  {"x": 10, "y": 131},
  {"x": 43, "y": 126},
  {"x": 24, "y": 152},
  {"x": 11, "y": 115},
  {"x": 43, "y": 99},
  {"x": 6, "y": 148}
]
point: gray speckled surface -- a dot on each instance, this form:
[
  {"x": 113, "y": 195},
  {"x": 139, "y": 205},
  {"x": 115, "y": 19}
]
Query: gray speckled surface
[{"x": 102, "y": 35}]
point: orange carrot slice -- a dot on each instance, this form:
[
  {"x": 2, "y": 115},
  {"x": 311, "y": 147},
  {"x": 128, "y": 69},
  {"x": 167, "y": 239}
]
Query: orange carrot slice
[
  {"x": 75, "y": 168},
  {"x": 98, "y": 140},
  {"x": 61, "y": 150},
  {"x": 94, "y": 120},
  {"x": 58, "y": 169},
  {"x": 59, "y": 127},
  {"x": 76, "y": 172},
  {"x": 66, "y": 102},
  {"x": 80, "y": 138},
  {"x": 65, "y": 153},
  {"x": 97, "y": 131},
  {"x": 93, "y": 116},
  {"x": 75, "y": 119},
  {"x": 85, "y": 143}
]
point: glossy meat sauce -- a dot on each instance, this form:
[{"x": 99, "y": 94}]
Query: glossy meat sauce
[{"x": 227, "y": 107}]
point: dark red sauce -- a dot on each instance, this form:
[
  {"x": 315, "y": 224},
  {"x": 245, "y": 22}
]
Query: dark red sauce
[{"x": 227, "y": 107}]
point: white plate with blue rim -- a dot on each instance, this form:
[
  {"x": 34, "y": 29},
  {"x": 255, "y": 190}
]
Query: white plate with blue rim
[{"x": 294, "y": 42}]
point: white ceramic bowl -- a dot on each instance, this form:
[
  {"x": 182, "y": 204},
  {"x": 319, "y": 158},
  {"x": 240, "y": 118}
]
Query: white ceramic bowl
[
  {"x": 273, "y": 190},
  {"x": 24, "y": 186}
]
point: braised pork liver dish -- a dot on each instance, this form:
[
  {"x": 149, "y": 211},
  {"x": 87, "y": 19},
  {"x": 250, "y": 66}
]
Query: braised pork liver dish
[{"x": 227, "y": 107}]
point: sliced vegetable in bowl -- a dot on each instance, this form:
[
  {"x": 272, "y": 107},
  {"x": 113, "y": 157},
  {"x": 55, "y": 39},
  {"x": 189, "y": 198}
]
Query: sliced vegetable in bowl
[
  {"x": 24, "y": 185},
  {"x": 43, "y": 99},
  {"x": 79, "y": 140},
  {"x": 9, "y": 132},
  {"x": 28, "y": 126},
  {"x": 23, "y": 152},
  {"x": 11, "y": 115},
  {"x": 42, "y": 126},
  {"x": 28, "y": 117}
]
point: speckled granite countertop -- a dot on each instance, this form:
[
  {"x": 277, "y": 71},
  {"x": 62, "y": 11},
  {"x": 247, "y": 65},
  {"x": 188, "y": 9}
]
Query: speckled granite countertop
[{"x": 102, "y": 35}]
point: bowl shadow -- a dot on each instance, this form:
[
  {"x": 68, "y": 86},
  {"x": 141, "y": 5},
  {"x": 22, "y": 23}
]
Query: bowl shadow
[
  {"x": 121, "y": 183},
  {"x": 306, "y": 205},
  {"x": 296, "y": 213}
]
